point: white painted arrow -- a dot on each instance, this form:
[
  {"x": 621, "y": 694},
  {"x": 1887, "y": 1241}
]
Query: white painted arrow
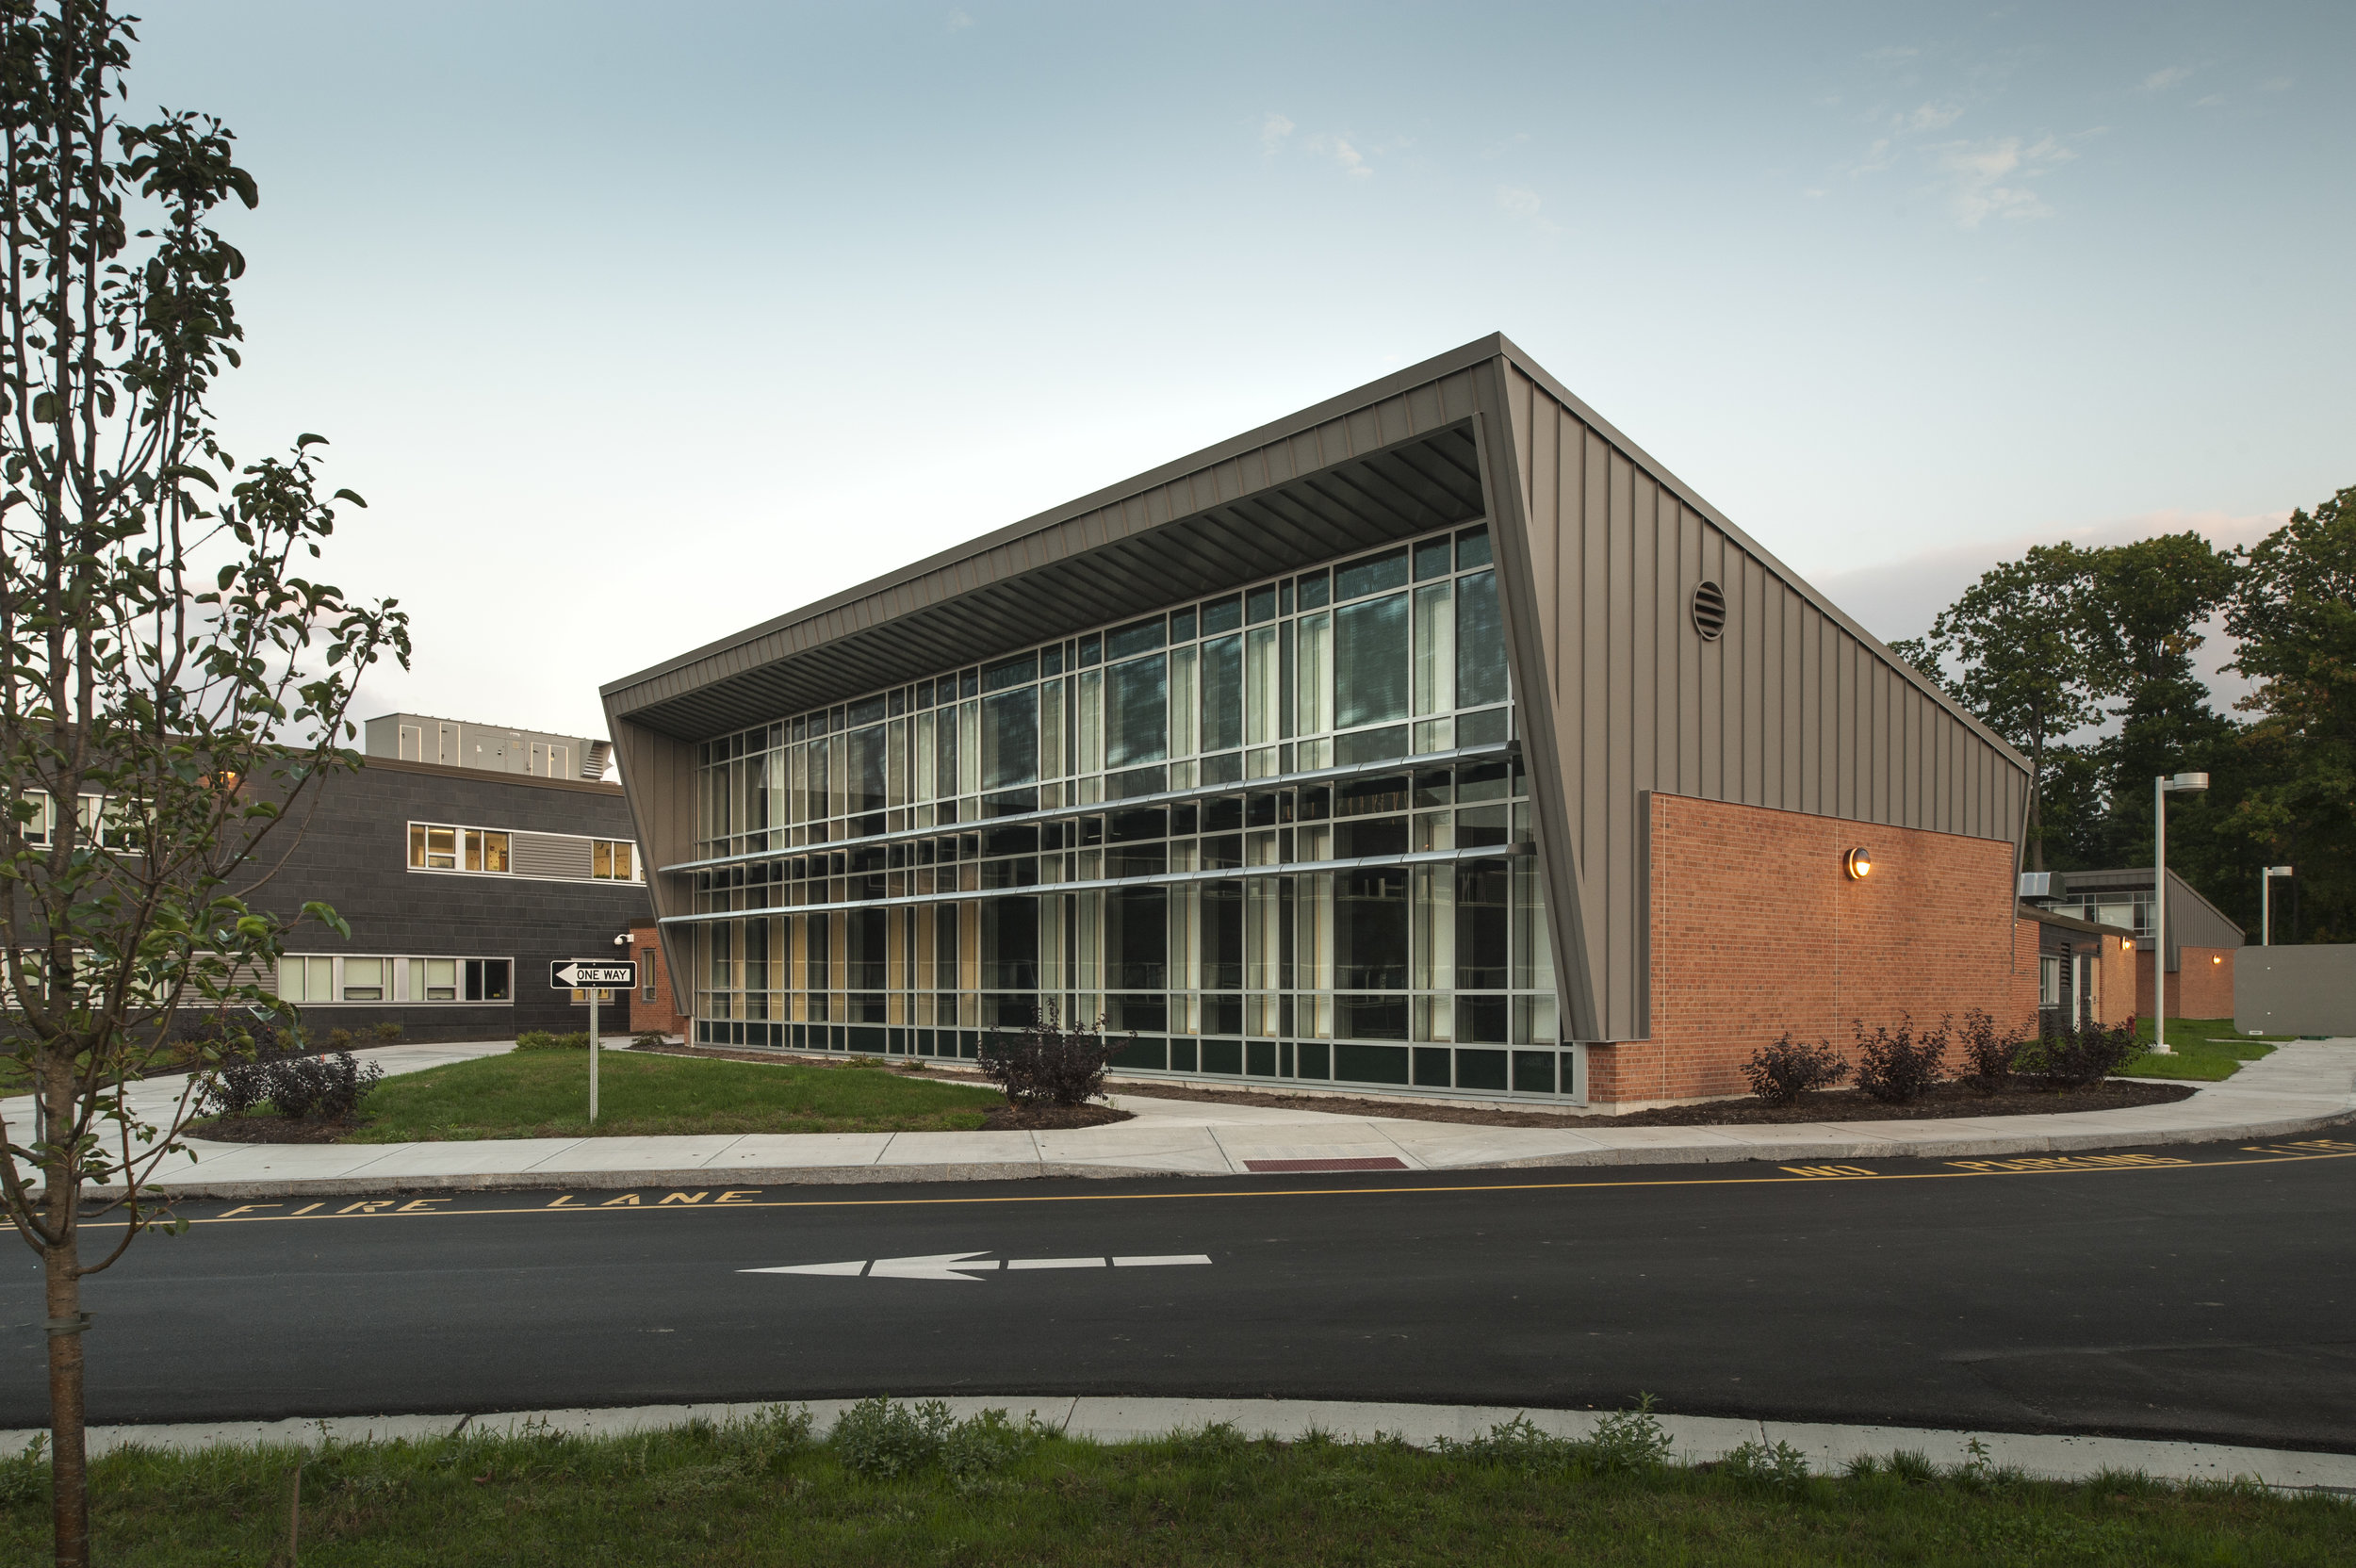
[
  {"x": 940, "y": 1266},
  {"x": 965, "y": 1265}
]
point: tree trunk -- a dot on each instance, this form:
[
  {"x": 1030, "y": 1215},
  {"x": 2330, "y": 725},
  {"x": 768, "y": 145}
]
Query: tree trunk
[{"x": 69, "y": 1465}]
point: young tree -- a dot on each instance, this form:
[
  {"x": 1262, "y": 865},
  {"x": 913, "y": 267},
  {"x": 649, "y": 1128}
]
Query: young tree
[
  {"x": 170, "y": 681},
  {"x": 2019, "y": 643},
  {"x": 2294, "y": 612}
]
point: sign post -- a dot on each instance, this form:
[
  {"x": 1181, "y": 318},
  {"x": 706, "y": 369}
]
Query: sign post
[{"x": 575, "y": 975}]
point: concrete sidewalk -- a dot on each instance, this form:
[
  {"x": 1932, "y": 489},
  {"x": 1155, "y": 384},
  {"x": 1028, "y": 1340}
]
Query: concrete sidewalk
[
  {"x": 1694, "y": 1439},
  {"x": 2298, "y": 1088}
]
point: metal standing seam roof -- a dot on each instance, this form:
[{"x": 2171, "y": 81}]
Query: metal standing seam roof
[{"x": 1394, "y": 457}]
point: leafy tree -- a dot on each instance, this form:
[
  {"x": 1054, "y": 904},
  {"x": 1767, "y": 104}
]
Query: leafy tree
[
  {"x": 2017, "y": 641},
  {"x": 2294, "y": 613},
  {"x": 2144, "y": 606},
  {"x": 164, "y": 700}
]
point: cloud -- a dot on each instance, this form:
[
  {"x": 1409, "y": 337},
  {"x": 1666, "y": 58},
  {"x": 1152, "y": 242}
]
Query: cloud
[
  {"x": 1517, "y": 201},
  {"x": 1899, "y": 130},
  {"x": 959, "y": 22},
  {"x": 1930, "y": 117},
  {"x": 2214, "y": 101},
  {"x": 2166, "y": 78},
  {"x": 1273, "y": 130},
  {"x": 1993, "y": 178},
  {"x": 1338, "y": 148}
]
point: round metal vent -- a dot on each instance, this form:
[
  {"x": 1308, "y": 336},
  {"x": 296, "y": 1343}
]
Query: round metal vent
[{"x": 1710, "y": 609}]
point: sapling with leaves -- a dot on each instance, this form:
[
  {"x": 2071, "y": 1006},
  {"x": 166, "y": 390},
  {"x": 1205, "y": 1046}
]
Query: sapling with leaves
[{"x": 172, "y": 684}]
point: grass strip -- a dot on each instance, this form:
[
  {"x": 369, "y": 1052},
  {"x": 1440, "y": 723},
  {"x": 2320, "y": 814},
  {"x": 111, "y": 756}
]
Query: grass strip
[
  {"x": 545, "y": 1094},
  {"x": 2206, "y": 1050},
  {"x": 905, "y": 1487}
]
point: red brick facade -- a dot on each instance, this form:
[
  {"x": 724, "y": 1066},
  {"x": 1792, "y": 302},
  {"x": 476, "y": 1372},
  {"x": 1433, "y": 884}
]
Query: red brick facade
[
  {"x": 2116, "y": 997},
  {"x": 662, "y": 1012},
  {"x": 1756, "y": 927},
  {"x": 2203, "y": 986}
]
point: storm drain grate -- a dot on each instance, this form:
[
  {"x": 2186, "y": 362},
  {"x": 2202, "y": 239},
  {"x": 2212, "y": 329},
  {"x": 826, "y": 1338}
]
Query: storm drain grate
[{"x": 1369, "y": 1162}]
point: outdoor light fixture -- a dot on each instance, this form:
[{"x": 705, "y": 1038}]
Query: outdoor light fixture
[
  {"x": 2265, "y": 902},
  {"x": 1859, "y": 864}
]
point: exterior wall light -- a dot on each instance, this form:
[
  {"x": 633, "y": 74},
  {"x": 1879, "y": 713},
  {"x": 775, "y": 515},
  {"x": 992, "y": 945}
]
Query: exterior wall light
[
  {"x": 1859, "y": 864},
  {"x": 2215, "y": 959}
]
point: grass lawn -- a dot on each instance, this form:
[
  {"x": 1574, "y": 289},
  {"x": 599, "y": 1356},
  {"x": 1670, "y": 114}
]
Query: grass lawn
[
  {"x": 545, "y": 1094},
  {"x": 763, "y": 1493},
  {"x": 2196, "y": 1056}
]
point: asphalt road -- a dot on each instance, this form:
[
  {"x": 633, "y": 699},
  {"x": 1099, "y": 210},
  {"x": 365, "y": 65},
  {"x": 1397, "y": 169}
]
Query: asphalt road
[{"x": 2205, "y": 1293}]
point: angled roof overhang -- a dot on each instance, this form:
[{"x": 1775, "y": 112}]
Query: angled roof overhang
[{"x": 1381, "y": 464}]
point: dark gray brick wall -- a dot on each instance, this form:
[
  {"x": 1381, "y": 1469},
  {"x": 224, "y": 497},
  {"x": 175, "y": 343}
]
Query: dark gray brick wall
[{"x": 353, "y": 856}]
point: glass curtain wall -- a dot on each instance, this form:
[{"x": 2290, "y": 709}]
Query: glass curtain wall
[{"x": 1278, "y": 833}]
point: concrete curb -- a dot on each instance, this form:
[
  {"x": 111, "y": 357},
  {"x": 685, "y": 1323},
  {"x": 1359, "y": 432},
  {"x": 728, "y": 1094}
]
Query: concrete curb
[
  {"x": 1809, "y": 1152},
  {"x": 1115, "y": 1419}
]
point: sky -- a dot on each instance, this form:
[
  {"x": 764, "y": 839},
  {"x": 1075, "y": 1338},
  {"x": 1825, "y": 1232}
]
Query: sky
[{"x": 637, "y": 325}]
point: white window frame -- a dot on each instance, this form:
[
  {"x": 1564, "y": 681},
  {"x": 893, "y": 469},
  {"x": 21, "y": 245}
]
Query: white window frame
[{"x": 398, "y": 978}]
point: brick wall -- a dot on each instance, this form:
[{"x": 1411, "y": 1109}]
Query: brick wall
[
  {"x": 1756, "y": 928},
  {"x": 2203, "y": 986},
  {"x": 662, "y": 1012},
  {"x": 2116, "y": 997}
]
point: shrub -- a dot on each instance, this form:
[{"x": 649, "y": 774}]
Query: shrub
[
  {"x": 2076, "y": 1057},
  {"x": 1990, "y": 1053},
  {"x": 1783, "y": 1467},
  {"x": 235, "y": 1089},
  {"x": 340, "y": 1039},
  {"x": 1896, "y": 1069},
  {"x": 388, "y": 1030},
  {"x": 648, "y": 1037},
  {"x": 327, "y": 1088},
  {"x": 1781, "y": 1073},
  {"x": 25, "y": 1476},
  {"x": 540, "y": 1039},
  {"x": 882, "y": 1438},
  {"x": 1628, "y": 1440},
  {"x": 1519, "y": 1444},
  {"x": 1048, "y": 1064}
]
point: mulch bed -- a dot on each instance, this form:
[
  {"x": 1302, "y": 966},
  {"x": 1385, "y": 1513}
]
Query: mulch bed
[
  {"x": 1046, "y": 1119},
  {"x": 1836, "y": 1105},
  {"x": 270, "y": 1129}
]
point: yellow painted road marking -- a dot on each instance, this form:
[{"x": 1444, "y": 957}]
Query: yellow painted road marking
[
  {"x": 566, "y": 1202},
  {"x": 1823, "y": 1170}
]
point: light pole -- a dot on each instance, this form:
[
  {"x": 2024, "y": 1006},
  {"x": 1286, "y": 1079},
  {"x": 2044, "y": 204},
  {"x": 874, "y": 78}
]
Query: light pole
[
  {"x": 2265, "y": 902},
  {"x": 2162, "y": 787}
]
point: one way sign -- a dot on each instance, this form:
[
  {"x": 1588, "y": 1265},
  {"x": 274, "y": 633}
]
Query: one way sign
[{"x": 574, "y": 975}]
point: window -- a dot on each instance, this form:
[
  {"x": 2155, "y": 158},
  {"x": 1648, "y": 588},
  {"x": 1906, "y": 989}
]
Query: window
[
  {"x": 485, "y": 850},
  {"x": 612, "y": 859},
  {"x": 2048, "y": 981},
  {"x": 433, "y": 979},
  {"x": 646, "y": 974},
  {"x": 487, "y": 979},
  {"x": 364, "y": 980},
  {"x": 312, "y": 979},
  {"x": 432, "y": 848},
  {"x": 306, "y": 979}
]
